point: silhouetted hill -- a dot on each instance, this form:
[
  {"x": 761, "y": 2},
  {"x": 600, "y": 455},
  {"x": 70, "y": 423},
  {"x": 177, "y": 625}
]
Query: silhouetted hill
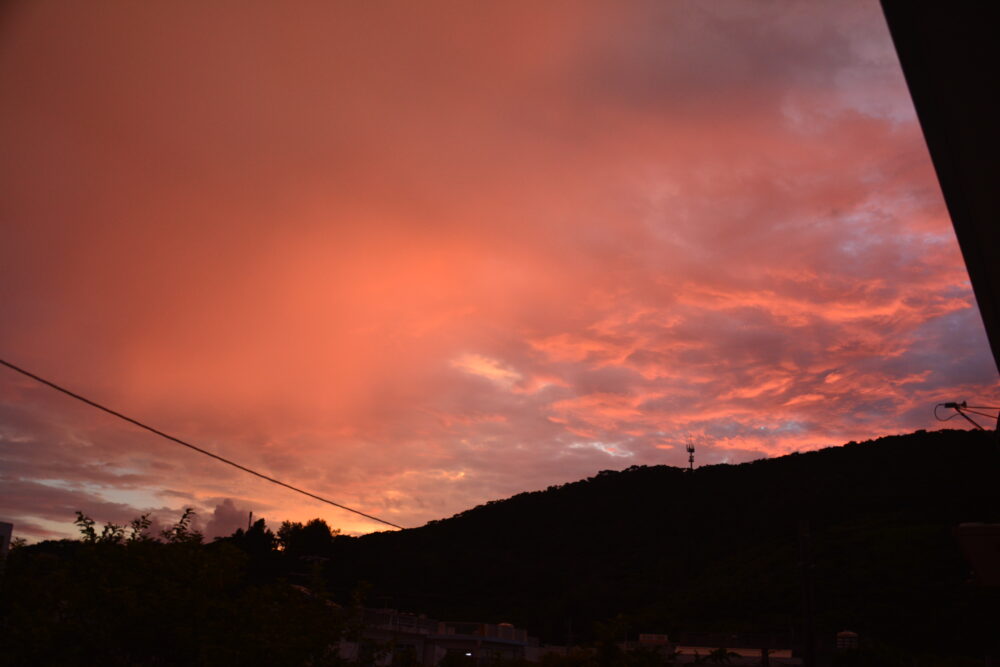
[{"x": 716, "y": 550}]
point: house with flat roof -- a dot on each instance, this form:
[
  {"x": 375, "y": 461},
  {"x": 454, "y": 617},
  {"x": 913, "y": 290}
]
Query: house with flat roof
[{"x": 391, "y": 637}]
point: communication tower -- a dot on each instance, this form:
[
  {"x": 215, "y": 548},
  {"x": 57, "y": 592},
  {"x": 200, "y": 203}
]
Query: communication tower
[{"x": 690, "y": 451}]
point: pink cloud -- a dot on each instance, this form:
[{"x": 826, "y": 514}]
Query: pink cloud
[{"x": 418, "y": 259}]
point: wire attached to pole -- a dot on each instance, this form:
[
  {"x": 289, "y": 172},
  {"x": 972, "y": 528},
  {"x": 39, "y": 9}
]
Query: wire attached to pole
[{"x": 960, "y": 411}]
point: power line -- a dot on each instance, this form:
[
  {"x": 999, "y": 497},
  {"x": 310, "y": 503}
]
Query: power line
[
  {"x": 960, "y": 411},
  {"x": 189, "y": 445}
]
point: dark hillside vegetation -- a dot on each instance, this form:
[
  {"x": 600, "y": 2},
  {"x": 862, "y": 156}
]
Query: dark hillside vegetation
[{"x": 716, "y": 550}]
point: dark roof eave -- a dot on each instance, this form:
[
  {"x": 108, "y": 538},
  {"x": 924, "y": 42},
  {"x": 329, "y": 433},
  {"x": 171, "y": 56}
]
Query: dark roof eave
[{"x": 949, "y": 57}]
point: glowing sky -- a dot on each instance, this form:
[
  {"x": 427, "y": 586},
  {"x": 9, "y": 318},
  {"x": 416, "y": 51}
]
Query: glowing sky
[{"x": 417, "y": 256}]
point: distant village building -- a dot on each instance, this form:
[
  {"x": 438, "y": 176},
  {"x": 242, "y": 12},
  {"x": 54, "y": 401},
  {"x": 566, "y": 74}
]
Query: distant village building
[
  {"x": 980, "y": 542},
  {"x": 390, "y": 637},
  {"x": 648, "y": 639},
  {"x": 736, "y": 655},
  {"x": 847, "y": 640},
  {"x": 768, "y": 649}
]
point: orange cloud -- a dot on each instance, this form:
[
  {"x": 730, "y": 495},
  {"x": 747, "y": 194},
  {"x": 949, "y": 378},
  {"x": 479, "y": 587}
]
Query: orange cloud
[{"x": 415, "y": 258}]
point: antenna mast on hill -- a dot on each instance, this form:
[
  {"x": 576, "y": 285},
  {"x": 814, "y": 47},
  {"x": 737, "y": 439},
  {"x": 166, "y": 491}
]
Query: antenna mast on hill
[{"x": 690, "y": 451}]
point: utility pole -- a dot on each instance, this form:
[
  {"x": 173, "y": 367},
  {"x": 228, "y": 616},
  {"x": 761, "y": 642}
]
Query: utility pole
[{"x": 6, "y": 537}]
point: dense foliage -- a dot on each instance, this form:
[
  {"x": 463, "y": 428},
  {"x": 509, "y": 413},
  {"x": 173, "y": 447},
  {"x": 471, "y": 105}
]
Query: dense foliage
[{"x": 119, "y": 597}]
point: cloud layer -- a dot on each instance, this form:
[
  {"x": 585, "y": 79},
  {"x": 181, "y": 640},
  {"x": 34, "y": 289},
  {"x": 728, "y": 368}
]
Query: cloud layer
[{"x": 415, "y": 257}]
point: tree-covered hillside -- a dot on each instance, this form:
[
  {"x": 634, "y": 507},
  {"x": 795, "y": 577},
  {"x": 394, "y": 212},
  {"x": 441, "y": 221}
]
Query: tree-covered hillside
[{"x": 717, "y": 549}]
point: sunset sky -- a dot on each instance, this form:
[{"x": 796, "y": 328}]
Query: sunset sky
[{"x": 414, "y": 256}]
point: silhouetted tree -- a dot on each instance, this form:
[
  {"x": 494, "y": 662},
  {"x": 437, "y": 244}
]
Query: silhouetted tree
[
  {"x": 257, "y": 541},
  {"x": 312, "y": 539}
]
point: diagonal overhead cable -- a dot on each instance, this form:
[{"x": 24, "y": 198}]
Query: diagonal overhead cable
[{"x": 189, "y": 445}]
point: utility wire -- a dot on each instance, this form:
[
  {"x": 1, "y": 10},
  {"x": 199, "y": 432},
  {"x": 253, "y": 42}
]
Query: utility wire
[
  {"x": 944, "y": 419},
  {"x": 960, "y": 411},
  {"x": 189, "y": 445}
]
